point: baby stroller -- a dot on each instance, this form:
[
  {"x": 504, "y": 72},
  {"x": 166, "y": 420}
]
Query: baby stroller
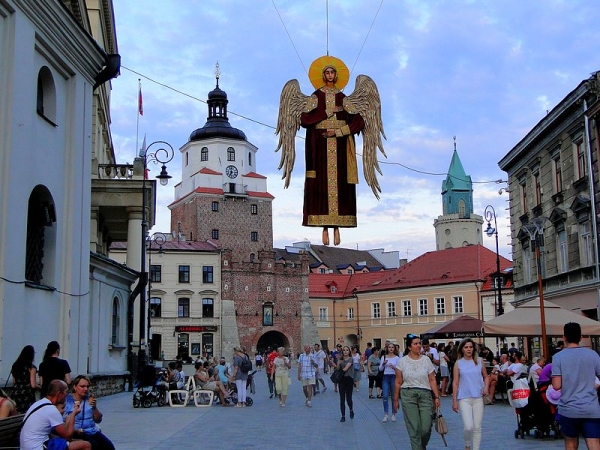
[
  {"x": 250, "y": 387},
  {"x": 536, "y": 416},
  {"x": 147, "y": 389}
]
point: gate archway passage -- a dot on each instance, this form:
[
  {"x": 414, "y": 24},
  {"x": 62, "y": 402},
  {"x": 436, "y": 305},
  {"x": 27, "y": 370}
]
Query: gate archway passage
[{"x": 271, "y": 340}]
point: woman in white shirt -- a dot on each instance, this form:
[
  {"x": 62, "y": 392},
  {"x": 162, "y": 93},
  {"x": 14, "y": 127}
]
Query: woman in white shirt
[
  {"x": 470, "y": 382},
  {"x": 415, "y": 379},
  {"x": 389, "y": 359}
]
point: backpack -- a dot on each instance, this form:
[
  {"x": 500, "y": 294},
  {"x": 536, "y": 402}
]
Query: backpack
[{"x": 245, "y": 365}]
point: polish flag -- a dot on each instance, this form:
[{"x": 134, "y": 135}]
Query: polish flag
[{"x": 140, "y": 102}]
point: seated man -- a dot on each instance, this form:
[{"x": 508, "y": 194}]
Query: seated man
[
  {"x": 515, "y": 370},
  {"x": 204, "y": 381},
  {"x": 498, "y": 377},
  {"x": 43, "y": 418}
]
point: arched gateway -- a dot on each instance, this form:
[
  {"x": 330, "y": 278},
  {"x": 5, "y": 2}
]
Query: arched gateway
[{"x": 272, "y": 340}]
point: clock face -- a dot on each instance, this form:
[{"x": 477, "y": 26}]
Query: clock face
[{"x": 231, "y": 171}]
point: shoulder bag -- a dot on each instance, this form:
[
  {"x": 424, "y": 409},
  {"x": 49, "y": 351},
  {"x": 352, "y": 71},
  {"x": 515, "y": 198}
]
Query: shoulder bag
[{"x": 336, "y": 376}]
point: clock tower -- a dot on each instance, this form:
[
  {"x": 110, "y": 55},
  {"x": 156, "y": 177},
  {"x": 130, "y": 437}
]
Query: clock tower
[{"x": 221, "y": 196}]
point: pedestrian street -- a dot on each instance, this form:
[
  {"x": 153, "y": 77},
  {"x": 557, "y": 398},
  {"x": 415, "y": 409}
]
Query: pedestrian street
[{"x": 266, "y": 425}]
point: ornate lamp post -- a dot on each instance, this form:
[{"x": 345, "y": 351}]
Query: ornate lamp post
[
  {"x": 162, "y": 155},
  {"x": 489, "y": 214},
  {"x": 158, "y": 239}
]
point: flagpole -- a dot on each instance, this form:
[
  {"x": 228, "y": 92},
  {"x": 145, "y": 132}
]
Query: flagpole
[{"x": 140, "y": 111}]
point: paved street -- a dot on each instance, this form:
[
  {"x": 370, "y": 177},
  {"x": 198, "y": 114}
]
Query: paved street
[{"x": 266, "y": 425}]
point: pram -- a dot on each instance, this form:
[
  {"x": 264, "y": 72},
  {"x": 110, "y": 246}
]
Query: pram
[
  {"x": 232, "y": 389},
  {"x": 147, "y": 389},
  {"x": 537, "y": 416}
]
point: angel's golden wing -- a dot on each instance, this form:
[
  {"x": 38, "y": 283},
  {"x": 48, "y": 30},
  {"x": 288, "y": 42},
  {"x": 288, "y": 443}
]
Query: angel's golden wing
[
  {"x": 365, "y": 101},
  {"x": 291, "y": 105}
]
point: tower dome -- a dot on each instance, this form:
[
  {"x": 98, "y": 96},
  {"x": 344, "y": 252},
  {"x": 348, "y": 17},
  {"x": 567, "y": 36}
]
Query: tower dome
[{"x": 217, "y": 124}]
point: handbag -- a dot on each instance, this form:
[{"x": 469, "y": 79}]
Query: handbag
[
  {"x": 440, "y": 424},
  {"x": 337, "y": 376}
]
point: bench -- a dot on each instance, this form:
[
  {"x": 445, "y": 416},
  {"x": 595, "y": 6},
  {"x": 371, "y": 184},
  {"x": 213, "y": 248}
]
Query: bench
[
  {"x": 202, "y": 397},
  {"x": 10, "y": 428}
]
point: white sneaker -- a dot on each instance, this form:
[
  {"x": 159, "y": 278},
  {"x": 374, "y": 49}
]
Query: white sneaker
[
  {"x": 393, "y": 417},
  {"x": 385, "y": 418}
]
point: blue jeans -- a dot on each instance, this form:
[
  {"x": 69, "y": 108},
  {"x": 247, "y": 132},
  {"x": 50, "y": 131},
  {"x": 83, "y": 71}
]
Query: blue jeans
[{"x": 387, "y": 387}]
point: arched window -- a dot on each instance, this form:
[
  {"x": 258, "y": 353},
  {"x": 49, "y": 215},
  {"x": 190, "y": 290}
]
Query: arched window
[
  {"x": 230, "y": 154},
  {"x": 116, "y": 322},
  {"x": 40, "y": 244},
  {"x": 204, "y": 154},
  {"x": 46, "y": 95},
  {"x": 462, "y": 208}
]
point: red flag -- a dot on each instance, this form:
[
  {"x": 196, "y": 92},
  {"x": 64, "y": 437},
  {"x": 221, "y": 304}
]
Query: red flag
[{"x": 140, "y": 102}]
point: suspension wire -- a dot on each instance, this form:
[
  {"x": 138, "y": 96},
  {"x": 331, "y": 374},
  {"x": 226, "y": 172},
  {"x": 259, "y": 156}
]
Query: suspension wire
[
  {"x": 289, "y": 37},
  {"x": 297, "y": 136},
  {"x": 367, "y": 36},
  {"x": 327, "y": 21}
]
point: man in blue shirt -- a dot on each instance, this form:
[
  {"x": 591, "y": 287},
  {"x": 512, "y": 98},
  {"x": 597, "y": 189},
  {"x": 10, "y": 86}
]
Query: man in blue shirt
[{"x": 573, "y": 371}]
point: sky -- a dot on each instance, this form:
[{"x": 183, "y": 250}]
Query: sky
[{"x": 483, "y": 71}]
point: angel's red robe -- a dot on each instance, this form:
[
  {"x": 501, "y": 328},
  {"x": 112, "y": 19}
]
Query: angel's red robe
[{"x": 331, "y": 171}]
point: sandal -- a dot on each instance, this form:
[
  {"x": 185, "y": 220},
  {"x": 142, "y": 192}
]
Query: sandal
[{"x": 370, "y": 396}]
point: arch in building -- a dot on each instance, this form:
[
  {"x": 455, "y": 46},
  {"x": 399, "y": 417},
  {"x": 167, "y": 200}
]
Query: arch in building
[
  {"x": 271, "y": 340},
  {"x": 351, "y": 339}
]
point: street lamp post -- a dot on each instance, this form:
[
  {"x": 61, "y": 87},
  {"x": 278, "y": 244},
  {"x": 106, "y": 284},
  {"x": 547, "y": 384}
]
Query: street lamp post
[
  {"x": 535, "y": 229},
  {"x": 159, "y": 239},
  {"x": 490, "y": 213},
  {"x": 162, "y": 155}
]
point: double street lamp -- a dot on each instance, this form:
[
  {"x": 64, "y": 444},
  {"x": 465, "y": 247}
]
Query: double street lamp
[
  {"x": 489, "y": 214},
  {"x": 163, "y": 155}
]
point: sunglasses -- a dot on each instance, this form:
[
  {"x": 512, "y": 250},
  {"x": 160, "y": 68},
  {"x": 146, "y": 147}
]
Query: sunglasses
[{"x": 411, "y": 336}]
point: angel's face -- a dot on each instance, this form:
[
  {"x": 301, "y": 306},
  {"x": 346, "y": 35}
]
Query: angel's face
[{"x": 329, "y": 75}]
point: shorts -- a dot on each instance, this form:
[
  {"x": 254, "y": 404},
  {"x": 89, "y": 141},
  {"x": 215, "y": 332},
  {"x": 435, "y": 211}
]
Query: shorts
[
  {"x": 210, "y": 386},
  {"x": 573, "y": 427},
  {"x": 258, "y": 363},
  {"x": 444, "y": 372},
  {"x": 308, "y": 381},
  {"x": 319, "y": 373}
]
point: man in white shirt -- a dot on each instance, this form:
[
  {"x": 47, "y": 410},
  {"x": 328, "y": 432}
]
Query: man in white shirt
[
  {"x": 43, "y": 417},
  {"x": 516, "y": 368},
  {"x": 320, "y": 357}
]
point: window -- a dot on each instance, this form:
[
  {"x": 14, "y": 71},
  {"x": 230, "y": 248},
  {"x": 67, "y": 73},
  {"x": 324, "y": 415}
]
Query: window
[
  {"x": 41, "y": 236},
  {"x": 254, "y": 208},
  {"x": 208, "y": 307},
  {"x": 204, "y": 154},
  {"x": 323, "y": 314},
  {"x": 423, "y": 307},
  {"x": 207, "y": 274},
  {"x": 155, "y": 273},
  {"x": 187, "y": 158},
  {"x": 249, "y": 159},
  {"x": 498, "y": 282},
  {"x": 254, "y": 236},
  {"x": 349, "y": 271},
  {"x": 252, "y": 257},
  {"x": 538, "y": 188},
  {"x": 558, "y": 180},
  {"x": 586, "y": 249},
  {"x": 457, "y": 304},
  {"x": 523, "y": 192},
  {"x": 440, "y": 306},
  {"x": 322, "y": 270},
  {"x": 46, "y": 95},
  {"x": 462, "y": 209},
  {"x": 527, "y": 264},
  {"x": 155, "y": 307},
  {"x": 406, "y": 308},
  {"x": 390, "y": 309},
  {"x": 376, "y": 311},
  {"x": 333, "y": 289},
  {"x": 350, "y": 313},
  {"x": 215, "y": 234},
  {"x": 207, "y": 344},
  {"x": 183, "y": 307},
  {"x": 563, "y": 262},
  {"x": 581, "y": 168},
  {"x": 116, "y": 322},
  {"x": 184, "y": 274},
  {"x": 214, "y": 206},
  {"x": 230, "y": 154}
]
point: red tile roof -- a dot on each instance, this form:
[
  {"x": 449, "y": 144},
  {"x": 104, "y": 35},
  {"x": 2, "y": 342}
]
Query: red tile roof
[
  {"x": 197, "y": 246},
  {"x": 259, "y": 194},
  {"x": 255, "y": 175},
  {"x": 207, "y": 171},
  {"x": 455, "y": 265}
]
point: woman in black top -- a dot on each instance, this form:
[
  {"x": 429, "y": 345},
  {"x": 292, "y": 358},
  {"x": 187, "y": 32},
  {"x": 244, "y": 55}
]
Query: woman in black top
[
  {"x": 53, "y": 368},
  {"x": 346, "y": 386},
  {"x": 24, "y": 375}
]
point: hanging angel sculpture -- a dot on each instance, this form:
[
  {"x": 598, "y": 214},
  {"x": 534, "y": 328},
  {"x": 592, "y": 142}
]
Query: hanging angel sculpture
[{"x": 331, "y": 120}]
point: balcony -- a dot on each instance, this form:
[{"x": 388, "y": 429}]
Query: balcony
[{"x": 235, "y": 189}]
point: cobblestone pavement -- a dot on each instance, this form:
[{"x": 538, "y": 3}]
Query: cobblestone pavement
[{"x": 266, "y": 425}]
